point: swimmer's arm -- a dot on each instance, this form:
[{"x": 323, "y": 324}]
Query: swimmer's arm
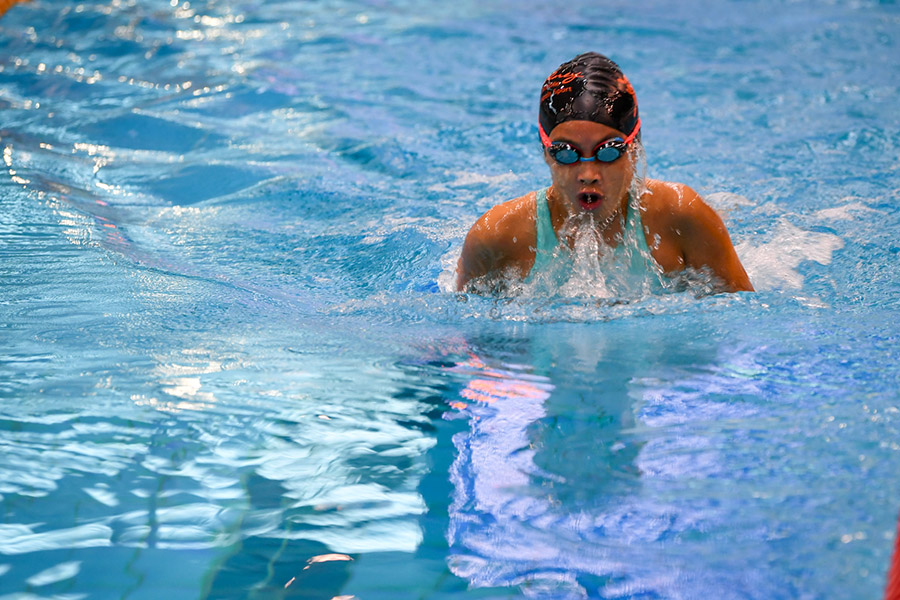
[
  {"x": 489, "y": 250},
  {"x": 481, "y": 255},
  {"x": 705, "y": 243}
]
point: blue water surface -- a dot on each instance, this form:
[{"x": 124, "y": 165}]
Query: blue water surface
[{"x": 232, "y": 364}]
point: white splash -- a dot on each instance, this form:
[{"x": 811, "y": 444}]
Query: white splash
[
  {"x": 467, "y": 178},
  {"x": 847, "y": 211},
  {"x": 773, "y": 264}
]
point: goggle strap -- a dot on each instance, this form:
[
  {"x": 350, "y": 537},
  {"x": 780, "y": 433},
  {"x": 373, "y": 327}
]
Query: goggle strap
[
  {"x": 634, "y": 132},
  {"x": 545, "y": 139}
]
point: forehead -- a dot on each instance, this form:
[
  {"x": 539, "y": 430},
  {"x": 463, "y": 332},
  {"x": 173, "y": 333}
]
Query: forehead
[{"x": 586, "y": 133}]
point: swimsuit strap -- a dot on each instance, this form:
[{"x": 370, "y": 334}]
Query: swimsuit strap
[
  {"x": 546, "y": 243},
  {"x": 634, "y": 228},
  {"x": 546, "y": 236}
]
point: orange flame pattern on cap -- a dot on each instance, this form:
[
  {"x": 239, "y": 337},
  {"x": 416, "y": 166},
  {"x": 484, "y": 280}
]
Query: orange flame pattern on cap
[
  {"x": 557, "y": 83},
  {"x": 626, "y": 85}
]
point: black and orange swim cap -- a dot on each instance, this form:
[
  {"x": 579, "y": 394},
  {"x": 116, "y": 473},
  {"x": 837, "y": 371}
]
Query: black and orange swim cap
[{"x": 590, "y": 87}]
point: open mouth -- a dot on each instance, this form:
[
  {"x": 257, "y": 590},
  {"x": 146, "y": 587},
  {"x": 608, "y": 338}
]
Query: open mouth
[{"x": 589, "y": 200}]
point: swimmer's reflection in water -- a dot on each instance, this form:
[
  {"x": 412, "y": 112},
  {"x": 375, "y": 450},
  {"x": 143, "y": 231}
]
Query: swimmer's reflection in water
[
  {"x": 598, "y": 198},
  {"x": 541, "y": 471},
  {"x": 552, "y": 484},
  {"x": 530, "y": 439}
]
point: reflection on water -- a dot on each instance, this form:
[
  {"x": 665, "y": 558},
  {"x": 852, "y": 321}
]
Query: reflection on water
[
  {"x": 550, "y": 486},
  {"x": 245, "y": 484}
]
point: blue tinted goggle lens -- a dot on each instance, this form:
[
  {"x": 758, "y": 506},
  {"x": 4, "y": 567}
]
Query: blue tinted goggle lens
[{"x": 566, "y": 154}]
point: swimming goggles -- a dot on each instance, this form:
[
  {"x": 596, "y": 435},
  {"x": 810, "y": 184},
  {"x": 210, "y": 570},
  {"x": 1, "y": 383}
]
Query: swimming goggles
[{"x": 609, "y": 151}]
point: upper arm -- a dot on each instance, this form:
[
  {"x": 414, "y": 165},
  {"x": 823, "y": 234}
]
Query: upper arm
[
  {"x": 481, "y": 254},
  {"x": 705, "y": 242},
  {"x": 497, "y": 242}
]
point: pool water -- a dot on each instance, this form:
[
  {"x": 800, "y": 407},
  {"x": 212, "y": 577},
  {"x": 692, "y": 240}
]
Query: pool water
[{"x": 232, "y": 364}]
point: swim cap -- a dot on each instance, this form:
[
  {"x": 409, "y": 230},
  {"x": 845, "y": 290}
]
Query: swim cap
[{"x": 590, "y": 87}]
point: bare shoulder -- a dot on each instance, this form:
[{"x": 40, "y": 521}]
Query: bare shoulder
[
  {"x": 504, "y": 237},
  {"x": 503, "y": 222},
  {"x": 666, "y": 201},
  {"x": 676, "y": 209},
  {"x": 690, "y": 233}
]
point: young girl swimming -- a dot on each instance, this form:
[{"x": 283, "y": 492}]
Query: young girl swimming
[{"x": 590, "y": 130}]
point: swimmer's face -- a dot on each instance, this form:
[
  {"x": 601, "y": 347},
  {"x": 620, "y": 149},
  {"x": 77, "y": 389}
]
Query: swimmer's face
[{"x": 593, "y": 187}]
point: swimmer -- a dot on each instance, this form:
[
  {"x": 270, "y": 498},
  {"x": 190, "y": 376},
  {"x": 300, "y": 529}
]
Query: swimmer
[{"x": 590, "y": 130}]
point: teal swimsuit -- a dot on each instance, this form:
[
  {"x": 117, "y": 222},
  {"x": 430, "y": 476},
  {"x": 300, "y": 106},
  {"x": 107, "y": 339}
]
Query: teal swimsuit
[{"x": 632, "y": 251}]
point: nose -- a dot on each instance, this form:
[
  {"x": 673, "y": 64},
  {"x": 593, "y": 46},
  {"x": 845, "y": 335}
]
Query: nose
[{"x": 589, "y": 172}]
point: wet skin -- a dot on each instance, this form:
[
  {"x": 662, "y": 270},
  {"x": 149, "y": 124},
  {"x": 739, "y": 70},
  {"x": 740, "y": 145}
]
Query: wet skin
[{"x": 681, "y": 230}]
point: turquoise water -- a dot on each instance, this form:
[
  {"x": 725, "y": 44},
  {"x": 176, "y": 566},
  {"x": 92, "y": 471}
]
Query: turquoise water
[{"x": 231, "y": 365}]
